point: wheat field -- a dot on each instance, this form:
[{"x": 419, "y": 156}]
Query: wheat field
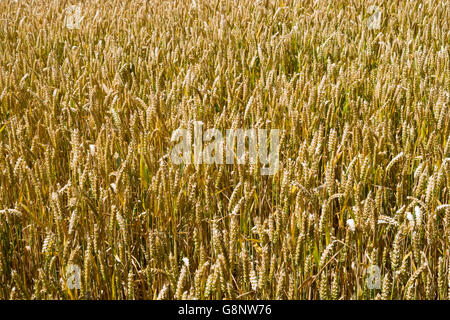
[{"x": 359, "y": 208}]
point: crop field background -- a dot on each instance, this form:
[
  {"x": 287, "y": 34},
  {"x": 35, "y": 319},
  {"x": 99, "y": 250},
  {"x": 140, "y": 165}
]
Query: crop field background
[{"x": 92, "y": 207}]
